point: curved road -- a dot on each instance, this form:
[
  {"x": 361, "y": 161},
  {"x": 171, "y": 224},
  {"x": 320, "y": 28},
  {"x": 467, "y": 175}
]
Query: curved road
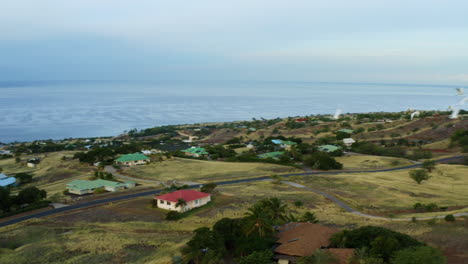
[{"x": 332, "y": 198}]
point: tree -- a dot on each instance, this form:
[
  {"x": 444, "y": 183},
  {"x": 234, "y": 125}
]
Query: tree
[
  {"x": 419, "y": 255},
  {"x": 419, "y": 175},
  {"x": 449, "y": 218},
  {"x": 208, "y": 188},
  {"x": 204, "y": 246},
  {"x": 384, "y": 247},
  {"x": 23, "y": 177},
  {"x": 429, "y": 165},
  {"x": 258, "y": 221},
  {"x": 322, "y": 161},
  {"x": 258, "y": 257},
  {"x": 30, "y": 195},
  {"x": 5, "y": 200}
]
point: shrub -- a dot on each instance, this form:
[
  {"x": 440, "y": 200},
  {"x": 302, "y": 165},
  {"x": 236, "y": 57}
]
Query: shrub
[
  {"x": 99, "y": 190},
  {"x": 298, "y": 203},
  {"x": 449, "y": 218},
  {"x": 309, "y": 217},
  {"x": 173, "y": 215}
]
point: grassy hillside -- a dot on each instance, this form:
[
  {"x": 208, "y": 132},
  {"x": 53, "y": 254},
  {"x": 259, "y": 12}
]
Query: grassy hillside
[
  {"x": 391, "y": 192},
  {"x": 200, "y": 170}
]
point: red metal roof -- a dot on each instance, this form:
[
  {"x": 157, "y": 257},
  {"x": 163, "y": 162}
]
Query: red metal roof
[{"x": 187, "y": 195}]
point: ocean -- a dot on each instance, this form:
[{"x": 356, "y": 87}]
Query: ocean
[{"x": 56, "y": 110}]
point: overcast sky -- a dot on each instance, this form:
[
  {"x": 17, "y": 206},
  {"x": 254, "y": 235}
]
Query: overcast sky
[{"x": 397, "y": 41}]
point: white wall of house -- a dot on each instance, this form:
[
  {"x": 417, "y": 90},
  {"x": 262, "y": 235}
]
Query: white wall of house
[
  {"x": 80, "y": 192},
  {"x": 168, "y": 205},
  {"x": 133, "y": 163}
]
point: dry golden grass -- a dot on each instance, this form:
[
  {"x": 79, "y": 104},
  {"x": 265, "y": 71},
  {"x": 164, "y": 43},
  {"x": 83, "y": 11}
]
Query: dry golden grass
[
  {"x": 371, "y": 162},
  {"x": 205, "y": 171},
  {"x": 383, "y": 191}
]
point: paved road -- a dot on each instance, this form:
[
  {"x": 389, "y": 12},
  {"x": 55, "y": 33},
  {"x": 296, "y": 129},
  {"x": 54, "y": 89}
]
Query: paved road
[{"x": 154, "y": 192}]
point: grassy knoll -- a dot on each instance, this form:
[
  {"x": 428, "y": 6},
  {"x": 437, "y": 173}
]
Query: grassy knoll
[
  {"x": 371, "y": 162},
  {"x": 389, "y": 192},
  {"x": 51, "y": 168},
  {"x": 199, "y": 170}
]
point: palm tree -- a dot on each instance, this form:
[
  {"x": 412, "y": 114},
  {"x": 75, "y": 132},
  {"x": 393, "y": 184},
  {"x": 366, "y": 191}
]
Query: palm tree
[
  {"x": 181, "y": 202},
  {"x": 276, "y": 209},
  {"x": 258, "y": 221}
]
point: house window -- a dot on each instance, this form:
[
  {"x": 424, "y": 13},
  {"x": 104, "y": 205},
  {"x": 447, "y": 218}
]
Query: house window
[
  {"x": 168, "y": 203},
  {"x": 196, "y": 201},
  {"x": 161, "y": 201}
]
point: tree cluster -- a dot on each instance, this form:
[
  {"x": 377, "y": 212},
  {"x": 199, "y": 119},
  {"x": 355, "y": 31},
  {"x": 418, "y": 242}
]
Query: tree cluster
[
  {"x": 387, "y": 245},
  {"x": 27, "y": 196},
  {"x": 248, "y": 239}
]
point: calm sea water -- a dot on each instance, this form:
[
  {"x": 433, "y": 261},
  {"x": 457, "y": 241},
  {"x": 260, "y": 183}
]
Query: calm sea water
[{"x": 55, "y": 110}]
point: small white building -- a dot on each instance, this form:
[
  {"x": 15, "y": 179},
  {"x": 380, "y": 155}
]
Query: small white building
[
  {"x": 191, "y": 198},
  {"x": 348, "y": 142}
]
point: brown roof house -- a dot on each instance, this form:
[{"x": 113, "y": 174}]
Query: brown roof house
[{"x": 302, "y": 239}]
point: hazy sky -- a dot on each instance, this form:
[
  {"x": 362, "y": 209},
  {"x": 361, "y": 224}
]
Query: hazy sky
[{"x": 399, "y": 41}]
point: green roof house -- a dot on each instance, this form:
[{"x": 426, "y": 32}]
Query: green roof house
[
  {"x": 347, "y": 131},
  {"x": 195, "y": 152},
  {"x": 133, "y": 159},
  {"x": 81, "y": 187},
  {"x": 328, "y": 148},
  {"x": 272, "y": 155}
]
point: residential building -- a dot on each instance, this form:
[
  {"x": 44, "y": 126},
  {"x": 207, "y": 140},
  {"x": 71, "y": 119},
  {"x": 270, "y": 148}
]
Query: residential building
[
  {"x": 195, "y": 152},
  {"x": 328, "y": 148},
  {"x": 191, "y": 198},
  {"x": 6, "y": 181},
  {"x": 81, "y": 187},
  {"x": 348, "y": 142},
  {"x": 284, "y": 143},
  {"x": 133, "y": 159},
  {"x": 273, "y": 155},
  {"x": 302, "y": 239},
  {"x": 346, "y": 130}
]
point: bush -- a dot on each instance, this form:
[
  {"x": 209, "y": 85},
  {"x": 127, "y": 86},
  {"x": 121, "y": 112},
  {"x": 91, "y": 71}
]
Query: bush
[
  {"x": 298, "y": 203},
  {"x": 173, "y": 215},
  {"x": 99, "y": 190},
  {"x": 419, "y": 175},
  {"x": 449, "y": 218},
  {"x": 418, "y": 255}
]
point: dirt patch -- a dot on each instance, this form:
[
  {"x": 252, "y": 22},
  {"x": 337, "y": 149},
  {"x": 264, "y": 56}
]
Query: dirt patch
[{"x": 134, "y": 210}]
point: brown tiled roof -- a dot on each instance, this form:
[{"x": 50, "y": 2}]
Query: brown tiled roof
[
  {"x": 342, "y": 254},
  {"x": 302, "y": 239}
]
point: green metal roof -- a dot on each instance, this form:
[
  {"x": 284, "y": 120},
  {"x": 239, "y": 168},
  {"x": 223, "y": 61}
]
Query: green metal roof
[
  {"x": 290, "y": 143},
  {"x": 345, "y": 130},
  {"x": 200, "y": 151},
  {"x": 328, "y": 148},
  {"x": 274, "y": 155},
  {"x": 132, "y": 157},
  {"x": 86, "y": 185}
]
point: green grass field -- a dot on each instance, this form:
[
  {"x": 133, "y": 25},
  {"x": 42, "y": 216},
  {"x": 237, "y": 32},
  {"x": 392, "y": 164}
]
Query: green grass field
[{"x": 204, "y": 171}]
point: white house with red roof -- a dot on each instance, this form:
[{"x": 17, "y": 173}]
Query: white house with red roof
[{"x": 192, "y": 200}]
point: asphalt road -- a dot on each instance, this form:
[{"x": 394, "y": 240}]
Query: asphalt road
[{"x": 154, "y": 192}]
